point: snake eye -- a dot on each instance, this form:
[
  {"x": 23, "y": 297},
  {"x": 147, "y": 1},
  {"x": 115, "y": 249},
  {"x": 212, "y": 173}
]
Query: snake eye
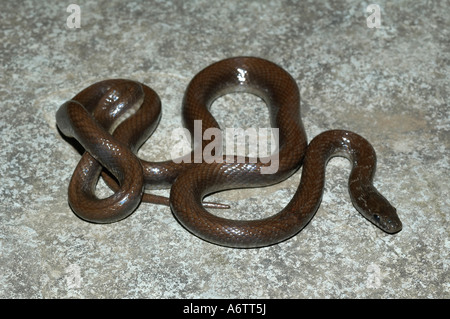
[{"x": 376, "y": 218}]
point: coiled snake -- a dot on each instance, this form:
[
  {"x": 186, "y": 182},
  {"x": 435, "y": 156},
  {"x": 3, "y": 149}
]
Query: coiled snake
[{"x": 95, "y": 118}]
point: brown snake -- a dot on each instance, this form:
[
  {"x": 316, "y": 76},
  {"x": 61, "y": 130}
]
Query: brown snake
[{"x": 94, "y": 117}]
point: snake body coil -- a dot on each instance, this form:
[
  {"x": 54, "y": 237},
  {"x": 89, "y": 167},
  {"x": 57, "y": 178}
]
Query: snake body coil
[{"x": 94, "y": 119}]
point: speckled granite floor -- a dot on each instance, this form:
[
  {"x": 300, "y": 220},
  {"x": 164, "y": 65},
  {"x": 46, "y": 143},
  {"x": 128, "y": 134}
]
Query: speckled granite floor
[{"x": 389, "y": 84}]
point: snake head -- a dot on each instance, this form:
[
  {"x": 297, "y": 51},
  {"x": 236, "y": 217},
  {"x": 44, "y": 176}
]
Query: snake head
[
  {"x": 377, "y": 209},
  {"x": 387, "y": 219}
]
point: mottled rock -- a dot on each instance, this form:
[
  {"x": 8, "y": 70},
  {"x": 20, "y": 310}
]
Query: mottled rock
[{"x": 389, "y": 84}]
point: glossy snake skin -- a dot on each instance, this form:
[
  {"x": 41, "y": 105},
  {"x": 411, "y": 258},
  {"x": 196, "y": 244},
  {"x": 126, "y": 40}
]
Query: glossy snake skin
[{"x": 113, "y": 118}]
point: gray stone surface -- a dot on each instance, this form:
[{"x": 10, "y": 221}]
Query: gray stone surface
[{"x": 389, "y": 84}]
